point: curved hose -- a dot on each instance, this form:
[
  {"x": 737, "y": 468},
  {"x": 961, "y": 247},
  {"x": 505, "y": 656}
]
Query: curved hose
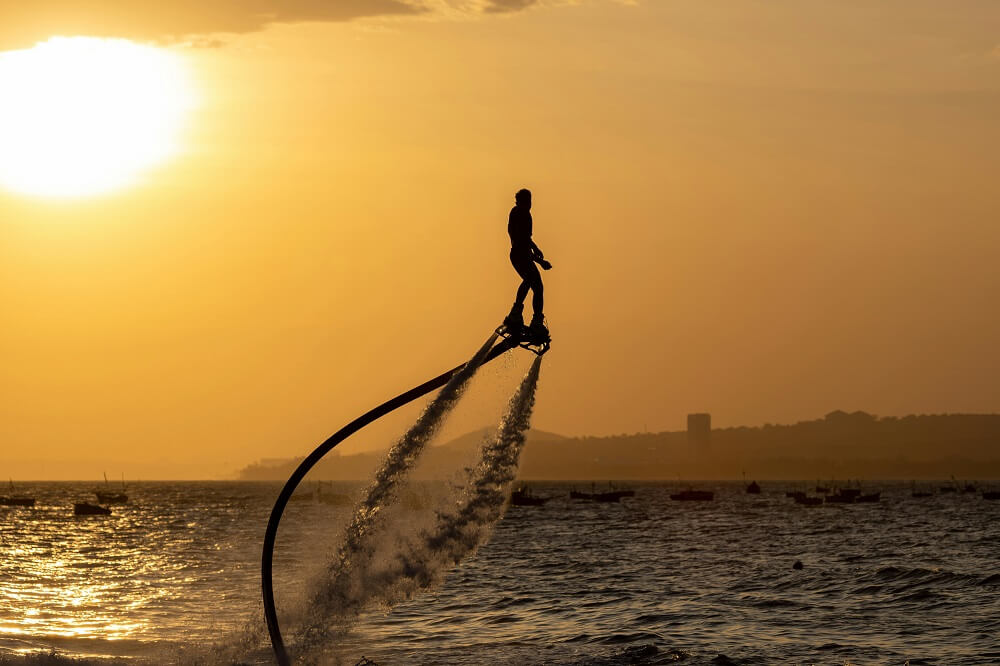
[{"x": 267, "y": 585}]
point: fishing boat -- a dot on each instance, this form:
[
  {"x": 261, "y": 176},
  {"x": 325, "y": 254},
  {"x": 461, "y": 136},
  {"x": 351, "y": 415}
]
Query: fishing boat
[
  {"x": 753, "y": 488},
  {"x": 843, "y": 496},
  {"x": 871, "y": 498},
  {"x": 619, "y": 492},
  {"x": 523, "y": 497},
  {"x": 110, "y": 496},
  {"x": 606, "y": 498},
  {"x": 86, "y": 509},
  {"x": 16, "y": 500},
  {"x": 805, "y": 500},
  {"x": 991, "y": 494},
  {"x": 610, "y": 496},
  {"x": 693, "y": 496}
]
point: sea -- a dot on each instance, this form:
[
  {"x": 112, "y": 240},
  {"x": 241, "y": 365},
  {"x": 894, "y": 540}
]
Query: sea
[{"x": 175, "y": 572}]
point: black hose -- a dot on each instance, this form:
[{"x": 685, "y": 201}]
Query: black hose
[{"x": 267, "y": 585}]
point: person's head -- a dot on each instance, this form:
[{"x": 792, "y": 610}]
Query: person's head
[{"x": 523, "y": 198}]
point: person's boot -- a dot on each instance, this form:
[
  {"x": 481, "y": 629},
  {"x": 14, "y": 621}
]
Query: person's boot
[
  {"x": 537, "y": 330},
  {"x": 514, "y": 322}
]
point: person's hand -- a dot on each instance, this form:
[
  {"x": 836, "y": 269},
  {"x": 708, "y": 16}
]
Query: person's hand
[{"x": 544, "y": 264}]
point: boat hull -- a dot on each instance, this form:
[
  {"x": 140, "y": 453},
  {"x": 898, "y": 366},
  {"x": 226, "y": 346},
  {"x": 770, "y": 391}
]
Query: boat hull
[
  {"x": 17, "y": 501},
  {"x": 85, "y": 509}
]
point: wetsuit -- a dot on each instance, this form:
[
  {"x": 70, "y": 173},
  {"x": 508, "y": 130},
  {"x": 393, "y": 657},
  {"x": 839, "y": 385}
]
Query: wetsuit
[{"x": 522, "y": 257}]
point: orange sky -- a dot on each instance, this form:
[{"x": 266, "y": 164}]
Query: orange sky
[{"x": 761, "y": 210}]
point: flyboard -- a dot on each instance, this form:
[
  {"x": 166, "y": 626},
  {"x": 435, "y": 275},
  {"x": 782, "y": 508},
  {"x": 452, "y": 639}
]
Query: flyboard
[
  {"x": 535, "y": 341},
  {"x": 510, "y": 339}
]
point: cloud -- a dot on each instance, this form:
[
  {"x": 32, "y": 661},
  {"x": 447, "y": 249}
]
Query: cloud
[
  {"x": 507, "y": 6},
  {"x": 26, "y": 22}
]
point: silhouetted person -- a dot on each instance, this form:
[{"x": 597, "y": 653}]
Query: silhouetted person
[{"x": 524, "y": 254}]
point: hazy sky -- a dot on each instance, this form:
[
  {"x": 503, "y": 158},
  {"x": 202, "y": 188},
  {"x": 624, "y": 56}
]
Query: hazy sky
[{"x": 761, "y": 210}]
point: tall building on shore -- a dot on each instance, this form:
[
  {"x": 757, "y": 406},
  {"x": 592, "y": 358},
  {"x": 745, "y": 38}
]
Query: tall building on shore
[{"x": 699, "y": 432}]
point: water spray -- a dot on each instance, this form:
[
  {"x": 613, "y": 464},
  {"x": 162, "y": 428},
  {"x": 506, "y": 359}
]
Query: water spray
[
  {"x": 422, "y": 562},
  {"x": 270, "y": 534}
]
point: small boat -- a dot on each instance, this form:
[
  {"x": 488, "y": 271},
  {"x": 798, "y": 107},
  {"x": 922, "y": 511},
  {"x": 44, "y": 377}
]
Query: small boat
[
  {"x": 969, "y": 488},
  {"x": 693, "y": 496},
  {"x": 609, "y": 497},
  {"x": 948, "y": 489},
  {"x": 844, "y": 496},
  {"x": 793, "y": 493},
  {"x": 523, "y": 497},
  {"x": 109, "y": 496},
  {"x": 753, "y": 488},
  {"x": 85, "y": 509},
  {"x": 920, "y": 494},
  {"x": 823, "y": 490},
  {"x": 871, "y": 498},
  {"x": 16, "y": 500},
  {"x": 991, "y": 494},
  {"x": 805, "y": 500}
]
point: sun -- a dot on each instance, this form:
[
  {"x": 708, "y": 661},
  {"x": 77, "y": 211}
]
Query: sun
[{"x": 81, "y": 116}]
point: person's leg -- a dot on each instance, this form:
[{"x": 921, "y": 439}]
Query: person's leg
[
  {"x": 515, "y": 320},
  {"x": 523, "y": 264},
  {"x": 534, "y": 281},
  {"x": 522, "y": 292},
  {"x": 536, "y": 297}
]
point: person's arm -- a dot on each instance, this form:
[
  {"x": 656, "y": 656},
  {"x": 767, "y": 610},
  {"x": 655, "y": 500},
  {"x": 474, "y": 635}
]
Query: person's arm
[{"x": 539, "y": 258}]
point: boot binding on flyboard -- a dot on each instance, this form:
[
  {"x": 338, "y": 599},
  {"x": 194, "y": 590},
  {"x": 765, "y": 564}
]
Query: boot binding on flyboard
[{"x": 535, "y": 338}]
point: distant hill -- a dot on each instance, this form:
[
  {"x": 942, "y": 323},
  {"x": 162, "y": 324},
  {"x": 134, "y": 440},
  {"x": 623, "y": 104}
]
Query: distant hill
[
  {"x": 839, "y": 445},
  {"x": 437, "y": 462},
  {"x": 474, "y": 439}
]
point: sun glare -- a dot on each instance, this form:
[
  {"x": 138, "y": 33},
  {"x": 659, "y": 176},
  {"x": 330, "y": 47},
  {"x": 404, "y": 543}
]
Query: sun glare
[{"x": 81, "y": 116}]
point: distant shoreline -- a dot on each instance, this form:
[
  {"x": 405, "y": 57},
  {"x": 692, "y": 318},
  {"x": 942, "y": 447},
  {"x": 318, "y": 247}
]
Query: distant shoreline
[{"x": 840, "y": 445}]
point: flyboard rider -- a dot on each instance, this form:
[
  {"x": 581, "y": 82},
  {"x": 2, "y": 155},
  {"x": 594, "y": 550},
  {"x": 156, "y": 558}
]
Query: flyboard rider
[{"x": 524, "y": 254}]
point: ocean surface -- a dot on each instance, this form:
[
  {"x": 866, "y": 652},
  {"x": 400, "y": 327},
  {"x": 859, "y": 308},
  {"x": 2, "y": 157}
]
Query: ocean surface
[{"x": 648, "y": 581}]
